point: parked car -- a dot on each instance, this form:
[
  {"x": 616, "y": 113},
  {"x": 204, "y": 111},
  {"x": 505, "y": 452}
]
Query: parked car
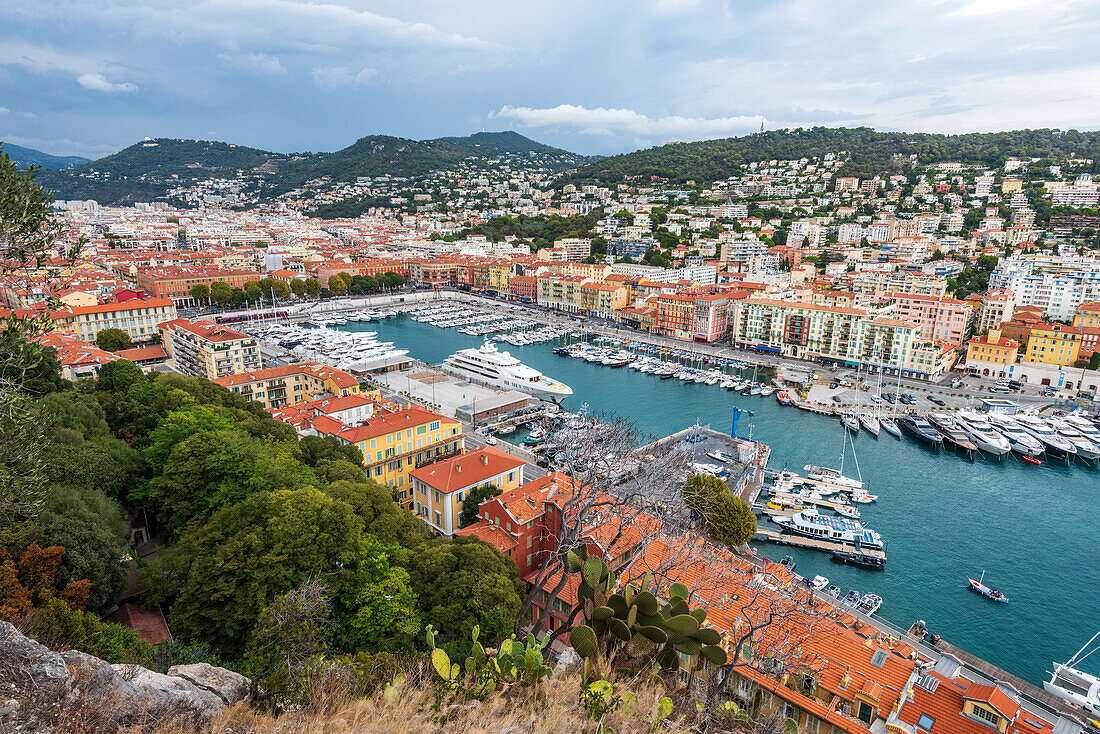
[
  {"x": 1004, "y": 389},
  {"x": 936, "y": 400},
  {"x": 876, "y": 399},
  {"x": 890, "y": 398},
  {"x": 836, "y": 399}
]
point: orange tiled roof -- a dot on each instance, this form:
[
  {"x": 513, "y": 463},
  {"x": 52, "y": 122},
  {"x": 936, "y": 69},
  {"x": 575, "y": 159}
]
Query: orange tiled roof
[{"x": 469, "y": 469}]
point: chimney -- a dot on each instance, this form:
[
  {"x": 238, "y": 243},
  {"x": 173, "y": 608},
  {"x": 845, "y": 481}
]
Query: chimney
[{"x": 485, "y": 459}]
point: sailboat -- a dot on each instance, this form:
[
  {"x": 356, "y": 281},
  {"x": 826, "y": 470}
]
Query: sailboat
[
  {"x": 836, "y": 477},
  {"x": 888, "y": 424},
  {"x": 1076, "y": 686}
]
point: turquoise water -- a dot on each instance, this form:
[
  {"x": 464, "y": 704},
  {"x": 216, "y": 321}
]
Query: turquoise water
[{"x": 1034, "y": 530}]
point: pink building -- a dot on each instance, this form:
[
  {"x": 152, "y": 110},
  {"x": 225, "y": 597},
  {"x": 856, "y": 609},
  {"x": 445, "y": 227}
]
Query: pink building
[
  {"x": 710, "y": 321},
  {"x": 940, "y": 318}
]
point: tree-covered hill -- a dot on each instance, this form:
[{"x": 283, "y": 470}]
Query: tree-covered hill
[
  {"x": 24, "y": 157},
  {"x": 165, "y": 157},
  {"x": 867, "y": 151}
]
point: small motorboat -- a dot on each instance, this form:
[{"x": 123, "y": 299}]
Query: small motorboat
[
  {"x": 788, "y": 563},
  {"x": 869, "y": 603},
  {"x": 852, "y": 597},
  {"x": 833, "y": 591},
  {"x": 863, "y": 498},
  {"x": 848, "y": 511},
  {"x": 819, "y": 582},
  {"x": 851, "y": 423},
  {"x": 987, "y": 592},
  {"x": 717, "y": 455},
  {"x": 1032, "y": 460}
]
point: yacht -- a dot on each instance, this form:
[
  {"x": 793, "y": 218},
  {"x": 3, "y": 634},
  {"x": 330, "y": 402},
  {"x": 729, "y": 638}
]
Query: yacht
[
  {"x": 981, "y": 433},
  {"x": 501, "y": 369},
  {"x": 1076, "y": 686},
  {"x": 953, "y": 435},
  {"x": 1054, "y": 444},
  {"x": 850, "y": 422},
  {"x": 921, "y": 429},
  {"x": 809, "y": 523},
  {"x": 831, "y": 476},
  {"x": 1021, "y": 441},
  {"x": 1082, "y": 441}
]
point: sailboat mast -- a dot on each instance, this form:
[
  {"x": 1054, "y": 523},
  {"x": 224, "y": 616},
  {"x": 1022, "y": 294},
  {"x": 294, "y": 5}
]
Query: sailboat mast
[{"x": 1074, "y": 658}]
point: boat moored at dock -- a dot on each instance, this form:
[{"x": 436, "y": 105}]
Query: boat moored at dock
[{"x": 811, "y": 524}]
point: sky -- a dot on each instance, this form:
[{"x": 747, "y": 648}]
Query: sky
[{"x": 89, "y": 77}]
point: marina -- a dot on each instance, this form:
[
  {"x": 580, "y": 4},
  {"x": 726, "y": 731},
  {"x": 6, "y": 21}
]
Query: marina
[{"x": 933, "y": 546}]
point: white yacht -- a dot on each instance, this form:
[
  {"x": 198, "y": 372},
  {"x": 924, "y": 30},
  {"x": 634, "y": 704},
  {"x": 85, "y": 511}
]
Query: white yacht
[
  {"x": 1020, "y": 440},
  {"x": 976, "y": 426},
  {"x": 1054, "y": 444},
  {"x": 1074, "y": 685},
  {"x": 501, "y": 369},
  {"x": 870, "y": 423},
  {"x": 809, "y": 523}
]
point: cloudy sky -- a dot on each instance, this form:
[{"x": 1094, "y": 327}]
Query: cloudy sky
[{"x": 89, "y": 77}]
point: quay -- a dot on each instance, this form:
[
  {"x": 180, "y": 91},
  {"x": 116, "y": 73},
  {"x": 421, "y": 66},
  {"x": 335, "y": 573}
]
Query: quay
[
  {"x": 821, "y": 544},
  {"x": 791, "y": 499}
]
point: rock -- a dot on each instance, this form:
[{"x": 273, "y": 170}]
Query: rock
[
  {"x": 567, "y": 659},
  {"x": 230, "y": 687},
  {"x": 124, "y": 694},
  {"x": 44, "y": 665}
]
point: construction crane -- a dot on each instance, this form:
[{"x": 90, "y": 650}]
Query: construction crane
[{"x": 737, "y": 413}]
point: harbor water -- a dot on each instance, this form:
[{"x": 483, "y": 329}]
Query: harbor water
[{"x": 1034, "y": 530}]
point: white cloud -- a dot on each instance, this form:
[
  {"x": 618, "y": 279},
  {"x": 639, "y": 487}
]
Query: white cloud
[
  {"x": 332, "y": 77},
  {"x": 254, "y": 63},
  {"x": 617, "y": 121},
  {"x": 989, "y": 7},
  {"x": 99, "y": 83},
  {"x": 4, "y": 110}
]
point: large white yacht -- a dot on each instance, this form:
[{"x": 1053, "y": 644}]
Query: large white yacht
[{"x": 501, "y": 369}]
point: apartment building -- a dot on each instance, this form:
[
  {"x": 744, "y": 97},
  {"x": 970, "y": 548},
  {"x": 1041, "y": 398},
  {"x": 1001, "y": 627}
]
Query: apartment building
[
  {"x": 440, "y": 488},
  {"x": 78, "y": 358},
  {"x": 205, "y": 349},
  {"x": 1087, "y": 314},
  {"x": 991, "y": 355},
  {"x": 1055, "y": 344},
  {"x": 1057, "y": 284},
  {"x": 875, "y": 281},
  {"x": 851, "y": 336},
  {"x": 395, "y": 443},
  {"x": 996, "y": 306},
  {"x": 275, "y": 387},
  {"x": 138, "y": 318},
  {"x": 940, "y": 318},
  {"x": 176, "y": 282}
]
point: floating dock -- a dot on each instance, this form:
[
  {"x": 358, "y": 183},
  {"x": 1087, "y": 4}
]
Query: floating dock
[
  {"x": 790, "y": 499},
  {"x": 820, "y": 544}
]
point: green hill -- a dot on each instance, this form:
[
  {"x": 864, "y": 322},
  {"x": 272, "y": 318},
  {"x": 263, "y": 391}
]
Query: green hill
[
  {"x": 165, "y": 157},
  {"x": 25, "y": 157},
  {"x": 868, "y": 152}
]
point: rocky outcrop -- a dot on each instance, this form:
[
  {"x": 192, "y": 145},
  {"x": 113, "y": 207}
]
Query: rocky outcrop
[{"x": 40, "y": 689}]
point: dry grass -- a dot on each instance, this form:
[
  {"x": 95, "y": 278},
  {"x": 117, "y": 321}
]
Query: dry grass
[{"x": 552, "y": 708}]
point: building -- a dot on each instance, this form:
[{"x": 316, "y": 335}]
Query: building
[
  {"x": 1087, "y": 314},
  {"x": 852, "y": 336},
  {"x": 78, "y": 359},
  {"x": 1057, "y": 284},
  {"x": 940, "y": 318},
  {"x": 295, "y": 383},
  {"x": 175, "y": 282},
  {"x": 397, "y": 442},
  {"x": 138, "y": 318},
  {"x": 1054, "y": 344},
  {"x": 991, "y": 355},
  {"x": 440, "y": 488},
  {"x": 997, "y": 306},
  {"x": 205, "y": 349}
]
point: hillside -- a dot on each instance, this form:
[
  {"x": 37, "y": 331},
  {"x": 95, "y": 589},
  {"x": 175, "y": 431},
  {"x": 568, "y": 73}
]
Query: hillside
[
  {"x": 380, "y": 155},
  {"x": 148, "y": 169},
  {"x": 869, "y": 153},
  {"x": 24, "y": 157}
]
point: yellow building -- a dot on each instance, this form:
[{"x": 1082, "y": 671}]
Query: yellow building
[
  {"x": 275, "y": 387},
  {"x": 500, "y": 276},
  {"x": 440, "y": 489},
  {"x": 1055, "y": 344},
  {"x": 1088, "y": 314},
  {"x": 991, "y": 355},
  {"x": 138, "y": 318},
  {"x": 205, "y": 349},
  {"x": 395, "y": 443}
]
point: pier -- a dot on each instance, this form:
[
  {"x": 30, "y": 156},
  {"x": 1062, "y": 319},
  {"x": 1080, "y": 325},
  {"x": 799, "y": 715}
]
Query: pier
[
  {"x": 821, "y": 544},
  {"x": 790, "y": 499}
]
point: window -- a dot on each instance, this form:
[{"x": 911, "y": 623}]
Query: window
[
  {"x": 925, "y": 722},
  {"x": 987, "y": 715},
  {"x": 790, "y": 711},
  {"x": 811, "y": 724},
  {"x": 866, "y": 712},
  {"x": 434, "y": 426}
]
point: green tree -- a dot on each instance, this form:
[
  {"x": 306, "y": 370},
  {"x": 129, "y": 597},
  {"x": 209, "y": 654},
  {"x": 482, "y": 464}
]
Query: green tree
[
  {"x": 113, "y": 340},
  {"x": 380, "y": 514},
  {"x": 375, "y": 605},
  {"x": 200, "y": 292},
  {"x": 223, "y": 573},
  {"x": 94, "y": 533},
  {"x": 320, "y": 450},
  {"x": 28, "y": 227},
  {"x": 281, "y": 289},
  {"x": 313, "y": 287},
  {"x": 119, "y": 376},
  {"x": 298, "y": 287},
  {"x": 337, "y": 285},
  {"x": 220, "y": 293},
  {"x": 463, "y": 582},
  {"x": 728, "y": 519},
  {"x": 211, "y": 469},
  {"x": 1094, "y": 361},
  {"x": 253, "y": 293},
  {"x": 473, "y": 501},
  {"x": 238, "y": 298}
]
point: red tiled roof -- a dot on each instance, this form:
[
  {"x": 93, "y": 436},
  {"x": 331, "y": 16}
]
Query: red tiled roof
[
  {"x": 494, "y": 535},
  {"x": 466, "y": 470}
]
